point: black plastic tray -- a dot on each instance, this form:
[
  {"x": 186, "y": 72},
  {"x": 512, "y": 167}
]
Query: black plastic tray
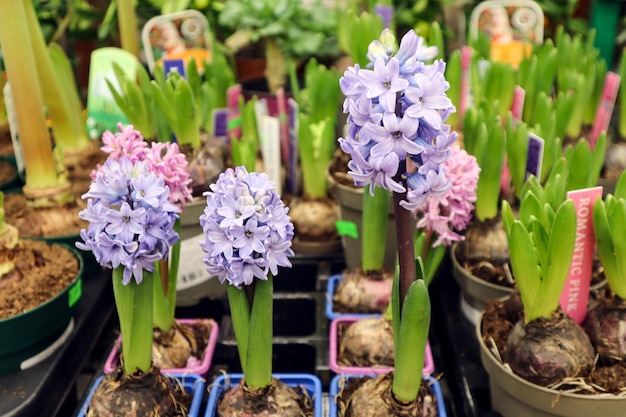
[{"x": 459, "y": 356}]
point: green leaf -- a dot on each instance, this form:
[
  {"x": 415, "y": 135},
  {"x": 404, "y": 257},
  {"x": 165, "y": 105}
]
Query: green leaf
[
  {"x": 606, "y": 248},
  {"x": 187, "y": 123},
  {"x": 507, "y": 216},
  {"x": 560, "y": 250},
  {"x": 259, "y": 363},
  {"x": 374, "y": 227},
  {"x": 578, "y": 156},
  {"x": 491, "y": 163},
  {"x": 412, "y": 339},
  {"x": 617, "y": 221},
  {"x": 525, "y": 266},
  {"x": 620, "y": 187}
]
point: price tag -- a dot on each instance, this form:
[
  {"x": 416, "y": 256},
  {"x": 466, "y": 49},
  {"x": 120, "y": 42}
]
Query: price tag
[{"x": 13, "y": 130}]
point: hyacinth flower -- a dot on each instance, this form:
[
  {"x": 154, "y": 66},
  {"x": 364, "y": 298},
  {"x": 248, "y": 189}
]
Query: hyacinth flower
[
  {"x": 438, "y": 223},
  {"x": 131, "y": 228},
  {"x": 398, "y": 140},
  {"x": 442, "y": 217},
  {"x": 248, "y": 236},
  {"x": 166, "y": 161}
]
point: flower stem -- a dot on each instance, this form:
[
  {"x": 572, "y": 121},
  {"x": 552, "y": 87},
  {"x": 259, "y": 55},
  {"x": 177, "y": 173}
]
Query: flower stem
[
  {"x": 134, "y": 309},
  {"x": 259, "y": 358},
  {"x": 404, "y": 236}
]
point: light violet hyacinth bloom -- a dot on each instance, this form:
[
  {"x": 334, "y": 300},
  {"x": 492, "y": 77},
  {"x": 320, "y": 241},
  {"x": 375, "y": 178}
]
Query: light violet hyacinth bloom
[
  {"x": 247, "y": 230},
  {"x": 397, "y": 110},
  {"x": 450, "y": 212},
  {"x": 162, "y": 158},
  {"x": 130, "y": 218}
]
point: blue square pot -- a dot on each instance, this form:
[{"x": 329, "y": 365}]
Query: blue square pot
[
  {"x": 331, "y": 285},
  {"x": 193, "y": 384},
  {"x": 309, "y": 382},
  {"x": 334, "y": 392}
]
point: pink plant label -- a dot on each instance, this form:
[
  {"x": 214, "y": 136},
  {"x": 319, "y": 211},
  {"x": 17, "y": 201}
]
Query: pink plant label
[
  {"x": 575, "y": 295},
  {"x": 234, "y": 113},
  {"x": 281, "y": 103},
  {"x": 519, "y": 95},
  {"x": 605, "y": 108}
]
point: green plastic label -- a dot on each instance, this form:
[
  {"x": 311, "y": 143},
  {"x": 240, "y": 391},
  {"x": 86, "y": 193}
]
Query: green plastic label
[
  {"x": 346, "y": 228},
  {"x": 75, "y": 293}
]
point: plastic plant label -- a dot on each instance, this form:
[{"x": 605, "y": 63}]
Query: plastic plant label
[
  {"x": 513, "y": 26},
  {"x": 176, "y": 65},
  {"x": 182, "y": 35},
  {"x": 281, "y": 104},
  {"x": 517, "y": 106},
  {"x": 347, "y": 228},
  {"x": 220, "y": 122},
  {"x": 575, "y": 295},
  {"x": 535, "y": 155},
  {"x": 75, "y": 293},
  {"x": 466, "y": 99},
  {"x": 234, "y": 113},
  {"x": 292, "y": 166},
  {"x": 605, "y": 108},
  {"x": 103, "y": 112},
  {"x": 191, "y": 272},
  {"x": 13, "y": 130},
  {"x": 270, "y": 148}
]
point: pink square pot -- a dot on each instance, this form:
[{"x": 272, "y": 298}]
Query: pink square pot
[
  {"x": 197, "y": 367},
  {"x": 333, "y": 350}
]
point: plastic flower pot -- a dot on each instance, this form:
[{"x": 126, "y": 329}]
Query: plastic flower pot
[
  {"x": 350, "y": 202},
  {"x": 194, "y": 366},
  {"x": 14, "y": 180},
  {"x": 193, "y": 384},
  {"x": 333, "y": 352},
  {"x": 338, "y": 381},
  {"x": 31, "y": 336},
  {"x": 513, "y": 396},
  {"x": 311, "y": 383},
  {"x": 331, "y": 286}
]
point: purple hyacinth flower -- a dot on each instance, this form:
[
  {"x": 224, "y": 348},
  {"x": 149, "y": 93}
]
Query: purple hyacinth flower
[
  {"x": 384, "y": 82},
  {"x": 247, "y": 232},
  {"x": 397, "y": 111},
  {"x": 130, "y": 218}
]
